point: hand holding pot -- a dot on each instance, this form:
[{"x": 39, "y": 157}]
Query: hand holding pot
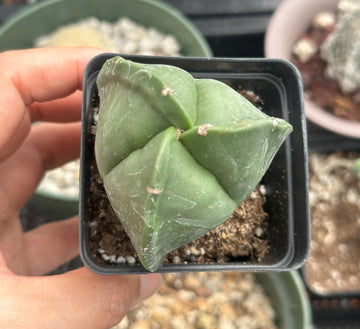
[{"x": 43, "y": 85}]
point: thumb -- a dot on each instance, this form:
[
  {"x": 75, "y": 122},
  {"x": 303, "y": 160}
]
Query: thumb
[{"x": 82, "y": 299}]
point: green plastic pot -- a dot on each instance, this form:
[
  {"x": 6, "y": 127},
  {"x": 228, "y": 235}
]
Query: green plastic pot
[
  {"x": 21, "y": 29},
  {"x": 288, "y": 296}
]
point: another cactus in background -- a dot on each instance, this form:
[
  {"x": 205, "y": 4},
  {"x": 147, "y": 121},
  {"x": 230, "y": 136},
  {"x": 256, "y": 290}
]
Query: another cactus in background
[
  {"x": 177, "y": 154},
  {"x": 341, "y": 49}
]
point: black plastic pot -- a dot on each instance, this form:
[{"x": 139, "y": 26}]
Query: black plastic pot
[{"x": 278, "y": 84}]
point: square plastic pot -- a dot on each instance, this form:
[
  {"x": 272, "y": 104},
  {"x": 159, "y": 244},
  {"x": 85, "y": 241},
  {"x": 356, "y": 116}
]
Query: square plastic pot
[{"x": 278, "y": 84}]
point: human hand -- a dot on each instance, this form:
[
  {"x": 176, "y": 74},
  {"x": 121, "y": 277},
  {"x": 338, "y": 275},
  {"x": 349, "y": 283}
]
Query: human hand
[{"x": 44, "y": 85}]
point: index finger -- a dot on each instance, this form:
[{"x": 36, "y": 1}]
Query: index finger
[{"x": 35, "y": 75}]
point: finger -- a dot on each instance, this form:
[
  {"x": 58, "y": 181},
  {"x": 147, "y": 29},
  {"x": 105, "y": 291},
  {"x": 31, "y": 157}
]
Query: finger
[
  {"x": 110, "y": 297},
  {"x": 81, "y": 298},
  {"x": 66, "y": 109},
  {"x": 9, "y": 144},
  {"x": 55, "y": 143},
  {"x": 49, "y": 145},
  {"x": 51, "y": 245},
  {"x": 3, "y": 265},
  {"x": 44, "y": 75}
]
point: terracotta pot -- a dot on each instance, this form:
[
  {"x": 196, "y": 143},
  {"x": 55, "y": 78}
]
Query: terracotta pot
[{"x": 288, "y": 23}]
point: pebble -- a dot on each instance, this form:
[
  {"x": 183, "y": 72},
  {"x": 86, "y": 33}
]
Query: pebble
[
  {"x": 130, "y": 260},
  {"x": 247, "y": 306},
  {"x": 304, "y": 49},
  {"x": 325, "y": 19},
  {"x": 176, "y": 260},
  {"x": 121, "y": 260}
]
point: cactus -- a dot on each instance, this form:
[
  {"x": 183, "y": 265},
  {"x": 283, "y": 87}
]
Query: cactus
[
  {"x": 177, "y": 154},
  {"x": 341, "y": 49}
]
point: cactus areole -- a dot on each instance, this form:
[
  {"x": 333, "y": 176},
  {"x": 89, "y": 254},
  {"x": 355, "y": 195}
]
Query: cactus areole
[{"x": 177, "y": 154}]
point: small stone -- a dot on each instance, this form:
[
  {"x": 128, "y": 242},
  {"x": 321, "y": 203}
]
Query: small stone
[
  {"x": 202, "y": 291},
  {"x": 112, "y": 259},
  {"x": 186, "y": 294},
  {"x": 259, "y": 232},
  {"x": 178, "y": 322},
  {"x": 304, "y": 49},
  {"x": 195, "y": 251},
  {"x": 141, "y": 324},
  {"x": 161, "y": 315},
  {"x": 206, "y": 321},
  {"x": 262, "y": 189},
  {"x": 191, "y": 282},
  {"x": 324, "y": 20},
  {"x": 130, "y": 260},
  {"x": 121, "y": 260},
  {"x": 225, "y": 323},
  {"x": 105, "y": 257}
]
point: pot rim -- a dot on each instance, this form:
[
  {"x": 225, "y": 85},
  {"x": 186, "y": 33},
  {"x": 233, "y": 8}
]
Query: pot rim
[{"x": 279, "y": 39}]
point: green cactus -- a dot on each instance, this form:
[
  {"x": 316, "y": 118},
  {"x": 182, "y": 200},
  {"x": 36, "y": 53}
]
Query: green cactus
[
  {"x": 177, "y": 154},
  {"x": 341, "y": 49}
]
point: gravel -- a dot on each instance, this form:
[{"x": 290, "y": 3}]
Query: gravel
[
  {"x": 123, "y": 36},
  {"x": 204, "y": 300},
  {"x": 334, "y": 263},
  {"x": 62, "y": 181}
]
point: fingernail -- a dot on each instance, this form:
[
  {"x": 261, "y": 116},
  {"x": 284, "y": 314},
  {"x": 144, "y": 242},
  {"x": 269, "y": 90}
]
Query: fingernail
[{"x": 149, "y": 284}]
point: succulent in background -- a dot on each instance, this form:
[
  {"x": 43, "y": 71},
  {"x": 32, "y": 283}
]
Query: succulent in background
[
  {"x": 177, "y": 154},
  {"x": 341, "y": 49}
]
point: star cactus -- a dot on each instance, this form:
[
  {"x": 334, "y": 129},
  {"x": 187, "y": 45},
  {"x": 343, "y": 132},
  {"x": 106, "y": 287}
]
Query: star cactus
[{"x": 177, "y": 154}]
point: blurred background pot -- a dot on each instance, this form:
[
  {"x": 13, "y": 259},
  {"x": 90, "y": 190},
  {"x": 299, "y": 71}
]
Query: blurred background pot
[
  {"x": 46, "y": 16},
  {"x": 289, "y": 22},
  {"x": 23, "y": 29},
  {"x": 224, "y": 300},
  {"x": 289, "y": 298}
]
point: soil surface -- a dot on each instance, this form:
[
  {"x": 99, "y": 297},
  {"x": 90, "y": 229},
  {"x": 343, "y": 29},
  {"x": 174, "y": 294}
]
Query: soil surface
[
  {"x": 321, "y": 90},
  {"x": 334, "y": 263}
]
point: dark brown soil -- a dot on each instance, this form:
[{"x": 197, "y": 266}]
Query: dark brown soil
[
  {"x": 321, "y": 90},
  {"x": 334, "y": 263}
]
